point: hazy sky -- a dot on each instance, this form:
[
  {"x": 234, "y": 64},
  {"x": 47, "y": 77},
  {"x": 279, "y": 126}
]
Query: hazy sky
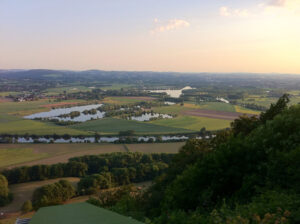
[{"x": 157, "y": 35}]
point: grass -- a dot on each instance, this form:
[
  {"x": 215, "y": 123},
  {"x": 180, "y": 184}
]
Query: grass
[
  {"x": 173, "y": 109},
  {"x": 17, "y": 155},
  {"x": 120, "y": 100},
  {"x": 113, "y": 126},
  {"x": 217, "y": 106},
  {"x": 156, "y": 147},
  {"x": 36, "y": 127},
  {"x": 116, "y": 86},
  {"x": 32, "y": 154},
  {"x": 68, "y": 89},
  {"x": 12, "y": 122},
  {"x": 3, "y": 94},
  {"x": 14, "y": 155},
  {"x": 79, "y": 213},
  {"x": 240, "y": 109},
  {"x": 193, "y": 123},
  {"x": 23, "y": 192}
]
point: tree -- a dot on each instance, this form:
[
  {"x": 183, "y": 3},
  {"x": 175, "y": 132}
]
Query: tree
[
  {"x": 280, "y": 106},
  {"x": 5, "y": 196},
  {"x": 27, "y": 206}
]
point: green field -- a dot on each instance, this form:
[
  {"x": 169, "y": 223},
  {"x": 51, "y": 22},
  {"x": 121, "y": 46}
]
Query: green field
[
  {"x": 217, "y": 106},
  {"x": 114, "y": 125},
  {"x": 18, "y": 155},
  {"x": 22, "y": 127},
  {"x": 12, "y": 122},
  {"x": 12, "y": 155},
  {"x": 122, "y": 100},
  {"x": 3, "y": 94},
  {"x": 172, "y": 147},
  {"x": 31, "y": 154},
  {"x": 194, "y": 123},
  {"x": 79, "y": 213}
]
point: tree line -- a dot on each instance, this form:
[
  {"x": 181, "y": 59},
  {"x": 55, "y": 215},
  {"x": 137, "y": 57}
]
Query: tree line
[{"x": 249, "y": 174}]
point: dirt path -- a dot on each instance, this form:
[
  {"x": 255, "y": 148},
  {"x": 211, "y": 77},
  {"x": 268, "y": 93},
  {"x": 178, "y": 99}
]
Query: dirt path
[{"x": 23, "y": 192}]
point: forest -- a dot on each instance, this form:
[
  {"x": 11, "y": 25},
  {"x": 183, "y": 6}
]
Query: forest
[{"x": 249, "y": 174}]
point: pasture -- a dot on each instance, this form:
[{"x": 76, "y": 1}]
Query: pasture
[
  {"x": 193, "y": 123},
  {"x": 125, "y": 100},
  {"x": 156, "y": 147},
  {"x": 114, "y": 126},
  {"x": 33, "y": 154},
  {"x": 13, "y": 155},
  {"x": 12, "y": 122}
]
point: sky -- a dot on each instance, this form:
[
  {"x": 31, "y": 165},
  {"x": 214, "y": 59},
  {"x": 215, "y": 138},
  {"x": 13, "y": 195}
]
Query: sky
[{"x": 259, "y": 36}]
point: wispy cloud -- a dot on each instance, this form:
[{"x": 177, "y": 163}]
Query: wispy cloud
[
  {"x": 280, "y": 3},
  {"x": 228, "y": 12},
  {"x": 276, "y": 7},
  {"x": 172, "y": 24}
]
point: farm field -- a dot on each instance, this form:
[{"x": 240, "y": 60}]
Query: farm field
[
  {"x": 218, "y": 106},
  {"x": 13, "y": 155},
  {"x": 114, "y": 125},
  {"x": 223, "y": 115},
  {"x": 194, "y": 123},
  {"x": 156, "y": 147},
  {"x": 23, "y": 126},
  {"x": 12, "y": 122},
  {"x": 126, "y": 99},
  {"x": 24, "y": 191},
  {"x": 32, "y": 154},
  {"x": 11, "y": 114}
]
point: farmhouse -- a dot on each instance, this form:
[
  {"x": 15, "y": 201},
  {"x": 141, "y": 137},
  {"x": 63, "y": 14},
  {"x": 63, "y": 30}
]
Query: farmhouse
[{"x": 79, "y": 213}]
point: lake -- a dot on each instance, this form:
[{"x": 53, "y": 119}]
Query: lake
[
  {"x": 148, "y": 116},
  {"x": 175, "y": 93},
  {"x": 55, "y": 113}
]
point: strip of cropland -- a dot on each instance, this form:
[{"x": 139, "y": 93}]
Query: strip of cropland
[
  {"x": 224, "y": 115},
  {"x": 14, "y": 155},
  {"x": 114, "y": 126}
]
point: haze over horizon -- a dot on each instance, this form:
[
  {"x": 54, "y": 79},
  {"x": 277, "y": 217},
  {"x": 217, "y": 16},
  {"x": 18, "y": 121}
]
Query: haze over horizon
[{"x": 226, "y": 36}]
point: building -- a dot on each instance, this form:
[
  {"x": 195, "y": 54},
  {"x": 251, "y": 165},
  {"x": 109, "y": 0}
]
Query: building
[{"x": 79, "y": 213}]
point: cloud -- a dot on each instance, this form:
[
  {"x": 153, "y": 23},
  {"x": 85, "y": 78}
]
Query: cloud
[
  {"x": 279, "y": 3},
  {"x": 172, "y": 24},
  {"x": 228, "y": 12},
  {"x": 267, "y": 7}
]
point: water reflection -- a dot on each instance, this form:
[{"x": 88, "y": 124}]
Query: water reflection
[
  {"x": 149, "y": 116},
  {"x": 55, "y": 114},
  {"x": 175, "y": 93}
]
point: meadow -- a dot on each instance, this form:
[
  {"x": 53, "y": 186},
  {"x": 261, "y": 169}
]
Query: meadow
[
  {"x": 194, "y": 123},
  {"x": 12, "y": 122},
  {"x": 113, "y": 126},
  {"x": 13, "y": 155}
]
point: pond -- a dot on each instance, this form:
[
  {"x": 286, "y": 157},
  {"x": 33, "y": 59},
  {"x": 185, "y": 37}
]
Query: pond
[
  {"x": 57, "y": 113},
  {"x": 149, "y": 116},
  {"x": 169, "y": 103},
  {"x": 175, "y": 93}
]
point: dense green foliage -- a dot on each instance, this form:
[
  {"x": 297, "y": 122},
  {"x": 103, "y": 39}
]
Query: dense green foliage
[
  {"x": 250, "y": 174},
  {"x": 5, "y": 196},
  {"x": 53, "y": 194},
  {"x": 27, "y": 206},
  {"x": 117, "y": 169},
  {"x": 108, "y": 162},
  {"x": 44, "y": 172}
]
